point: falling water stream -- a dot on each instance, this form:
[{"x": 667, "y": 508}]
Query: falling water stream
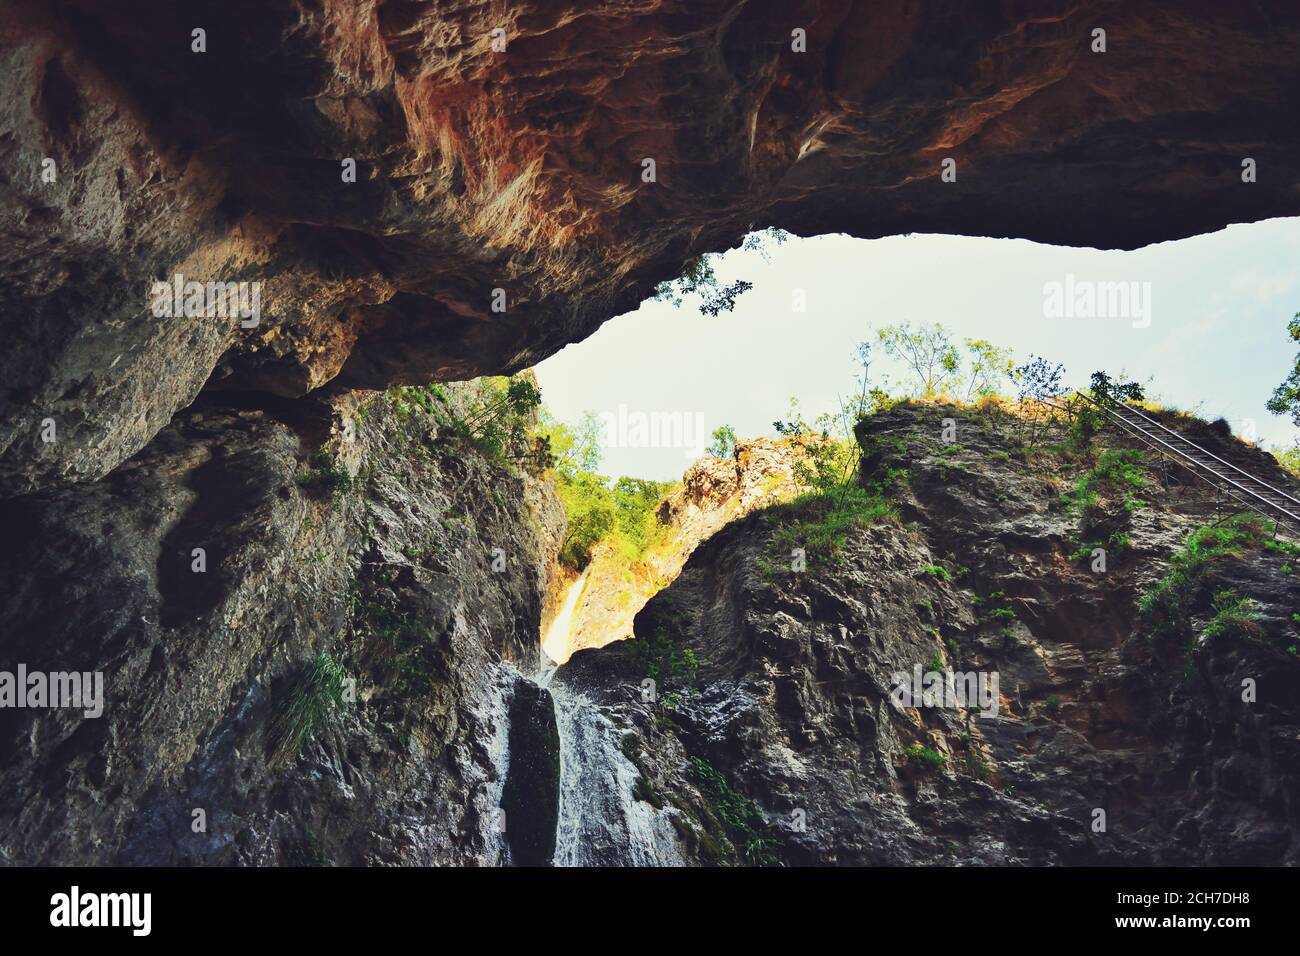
[
  {"x": 555, "y": 643},
  {"x": 601, "y": 823}
]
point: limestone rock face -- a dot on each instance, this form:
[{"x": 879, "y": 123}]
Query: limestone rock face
[
  {"x": 713, "y": 492},
  {"x": 381, "y": 558},
  {"x": 791, "y": 704},
  {"x": 531, "y": 795},
  {"x": 501, "y": 160}
]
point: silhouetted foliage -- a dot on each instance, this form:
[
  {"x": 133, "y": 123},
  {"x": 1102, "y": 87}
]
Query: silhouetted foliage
[
  {"x": 698, "y": 278},
  {"x": 1286, "y": 397}
]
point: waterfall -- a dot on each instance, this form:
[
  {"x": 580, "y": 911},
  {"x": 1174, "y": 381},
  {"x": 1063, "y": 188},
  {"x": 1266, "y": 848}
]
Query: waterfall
[
  {"x": 600, "y": 822},
  {"x": 555, "y": 643}
]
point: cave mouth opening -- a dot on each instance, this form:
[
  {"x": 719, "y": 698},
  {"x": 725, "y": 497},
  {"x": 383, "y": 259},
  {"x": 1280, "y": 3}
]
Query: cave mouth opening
[
  {"x": 1202, "y": 319},
  {"x": 771, "y": 334}
]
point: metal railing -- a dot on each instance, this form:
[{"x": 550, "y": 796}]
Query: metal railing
[{"x": 1237, "y": 483}]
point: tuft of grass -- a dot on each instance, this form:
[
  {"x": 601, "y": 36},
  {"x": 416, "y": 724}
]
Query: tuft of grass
[
  {"x": 823, "y": 520},
  {"x": 326, "y": 474},
  {"x": 1119, "y": 470},
  {"x": 996, "y": 608},
  {"x": 1234, "y": 616},
  {"x": 740, "y": 816},
  {"x": 432, "y": 399},
  {"x": 663, "y": 659},
  {"x": 1166, "y": 606},
  {"x": 1114, "y": 546},
  {"x": 925, "y": 757},
  {"x": 308, "y": 706},
  {"x": 937, "y": 571}
]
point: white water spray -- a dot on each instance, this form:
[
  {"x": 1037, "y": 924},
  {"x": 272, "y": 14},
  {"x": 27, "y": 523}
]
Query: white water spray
[{"x": 601, "y": 822}]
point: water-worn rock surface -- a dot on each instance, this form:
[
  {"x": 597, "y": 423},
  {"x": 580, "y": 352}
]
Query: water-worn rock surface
[
  {"x": 531, "y": 796},
  {"x": 390, "y": 572},
  {"x": 790, "y": 714},
  {"x": 501, "y": 207}
]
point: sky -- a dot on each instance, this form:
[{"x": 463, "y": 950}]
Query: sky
[{"x": 1206, "y": 324}]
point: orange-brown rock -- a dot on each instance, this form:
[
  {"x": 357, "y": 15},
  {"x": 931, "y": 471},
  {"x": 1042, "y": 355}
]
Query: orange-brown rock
[
  {"x": 611, "y": 590},
  {"x": 521, "y": 170}
]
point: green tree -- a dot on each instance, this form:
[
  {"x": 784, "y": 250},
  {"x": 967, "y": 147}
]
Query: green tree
[
  {"x": 591, "y": 513},
  {"x": 1038, "y": 381},
  {"x": 1289, "y": 458},
  {"x": 827, "y": 463},
  {"x": 990, "y": 367},
  {"x": 1286, "y": 397},
  {"x": 1087, "y": 420},
  {"x": 501, "y": 422},
  {"x": 936, "y": 363},
  {"x": 761, "y": 241},
  {"x": 635, "y": 502},
  {"x": 1115, "y": 390},
  {"x": 574, "y": 449},
  {"x": 699, "y": 278},
  {"x": 927, "y": 351},
  {"x": 623, "y": 514},
  {"x": 588, "y": 504},
  {"x": 724, "y": 442},
  {"x": 870, "y": 399}
]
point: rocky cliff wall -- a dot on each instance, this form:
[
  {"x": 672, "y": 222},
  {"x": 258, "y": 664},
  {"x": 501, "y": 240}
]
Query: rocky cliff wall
[
  {"x": 379, "y": 553},
  {"x": 713, "y": 492},
  {"x": 786, "y": 743}
]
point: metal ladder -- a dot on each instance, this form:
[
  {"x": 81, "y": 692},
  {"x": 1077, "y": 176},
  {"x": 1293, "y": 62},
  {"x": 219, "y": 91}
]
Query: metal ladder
[{"x": 1236, "y": 484}]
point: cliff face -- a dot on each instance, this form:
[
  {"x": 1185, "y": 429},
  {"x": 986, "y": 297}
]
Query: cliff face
[
  {"x": 785, "y": 741},
  {"x": 501, "y": 206},
  {"x": 412, "y": 562},
  {"x": 752, "y": 719},
  {"x": 713, "y": 492}
]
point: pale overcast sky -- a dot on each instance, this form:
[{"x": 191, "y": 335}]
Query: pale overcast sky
[{"x": 1216, "y": 338}]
